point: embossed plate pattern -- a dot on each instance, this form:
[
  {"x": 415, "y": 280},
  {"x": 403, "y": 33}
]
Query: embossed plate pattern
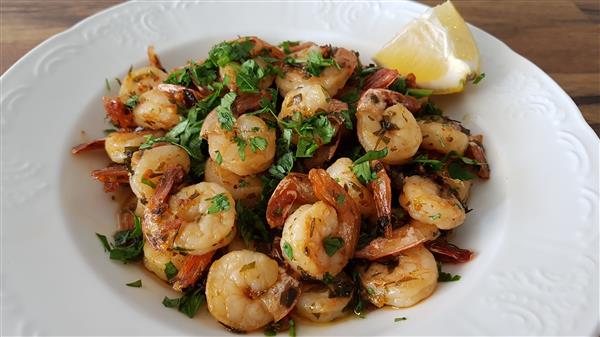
[{"x": 534, "y": 225}]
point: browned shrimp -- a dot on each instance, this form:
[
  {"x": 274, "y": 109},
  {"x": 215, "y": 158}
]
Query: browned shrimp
[
  {"x": 153, "y": 58},
  {"x": 382, "y": 194},
  {"x": 318, "y": 239},
  {"x": 405, "y": 237},
  {"x": 381, "y": 79},
  {"x": 476, "y": 151},
  {"x": 193, "y": 267},
  {"x": 118, "y": 113},
  {"x": 292, "y": 191},
  {"x": 161, "y": 237},
  {"x": 89, "y": 146},
  {"x": 112, "y": 177},
  {"x": 181, "y": 95}
]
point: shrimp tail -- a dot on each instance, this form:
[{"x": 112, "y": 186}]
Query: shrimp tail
[
  {"x": 118, "y": 113},
  {"x": 193, "y": 268},
  {"x": 161, "y": 236},
  {"x": 153, "y": 58},
  {"x": 89, "y": 146},
  {"x": 446, "y": 252},
  {"x": 183, "y": 96},
  {"x": 382, "y": 193},
  {"x": 381, "y": 79},
  {"x": 291, "y": 192},
  {"x": 112, "y": 177},
  {"x": 328, "y": 190},
  {"x": 476, "y": 151}
]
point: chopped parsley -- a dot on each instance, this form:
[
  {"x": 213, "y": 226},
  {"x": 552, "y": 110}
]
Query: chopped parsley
[
  {"x": 398, "y": 319},
  {"x": 170, "y": 270},
  {"x": 314, "y": 63},
  {"x": 148, "y": 182},
  {"x": 250, "y": 225},
  {"x": 218, "y": 157},
  {"x": 285, "y": 45},
  {"x": 313, "y": 132},
  {"x": 128, "y": 244},
  {"x": 135, "y": 284},
  {"x": 418, "y": 93},
  {"x": 107, "y": 84},
  {"x": 230, "y": 51},
  {"x": 292, "y": 331},
  {"x": 458, "y": 170},
  {"x": 224, "y": 114},
  {"x": 362, "y": 169},
  {"x": 200, "y": 75},
  {"x": 132, "y": 101},
  {"x": 332, "y": 244},
  {"x": 434, "y": 164},
  {"x": 478, "y": 78},
  {"x": 435, "y": 216},
  {"x": 189, "y": 303},
  {"x": 287, "y": 249},
  {"x": 241, "y": 145},
  {"x": 340, "y": 198},
  {"x": 327, "y": 278},
  {"x": 258, "y": 144},
  {"x": 220, "y": 203},
  {"x": 446, "y": 277},
  {"x": 249, "y": 76}
]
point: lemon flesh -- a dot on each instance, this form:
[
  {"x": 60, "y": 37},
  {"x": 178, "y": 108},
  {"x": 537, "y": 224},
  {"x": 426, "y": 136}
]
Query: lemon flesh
[{"x": 437, "y": 47}]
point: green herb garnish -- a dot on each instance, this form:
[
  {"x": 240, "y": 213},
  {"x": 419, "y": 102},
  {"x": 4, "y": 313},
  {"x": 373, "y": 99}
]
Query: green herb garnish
[
  {"x": 220, "y": 203},
  {"x": 170, "y": 270},
  {"x": 135, "y": 284},
  {"x": 332, "y": 244},
  {"x": 287, "y": 249}
]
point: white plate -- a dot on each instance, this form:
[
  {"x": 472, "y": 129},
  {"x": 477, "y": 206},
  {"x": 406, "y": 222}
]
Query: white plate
[{"x": 534, "y": 225}]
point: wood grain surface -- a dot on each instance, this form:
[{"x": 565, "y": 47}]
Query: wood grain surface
[{"x": 561, "y": 36}]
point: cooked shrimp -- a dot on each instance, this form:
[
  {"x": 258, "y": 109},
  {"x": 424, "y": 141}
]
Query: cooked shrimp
[
  {"x": 149, "y": 165},
  {"x": 332, "y": 78},
  {"x": 140, "y": 80},
  {"x": 427, "y": 202},
  {"x": 248, "y": 149},
  {"x": 476, "y": 151},
  {"x": 317, "y": 304},
  {"x": 341, "y": 171},
  {"x": 461, "y": 188},
  {"x": 443, "y": 137},
  {"x": 310, "y": 232},
  {"x": 96, "y": 144},
  {"x": 231, "y": 70},
  {"x": 191, "y": 270},
  {"x": 156, "y": 260},
  {"x": 308, "y": 99},
  {"x": 112, "y": 176},
  {"x": 155, "y": 111},
  {"x": 405, "y": 237},
  {"x": 203, "y": 228},
  {"x": 413, "y": 279},
  {"x": 121, "y": 144},
  {"x": 247, "y": 189},
  {"x": 247, "y": 290},
  {"x": 383, "y": 122},
  {"x": 292, "y": 192}
]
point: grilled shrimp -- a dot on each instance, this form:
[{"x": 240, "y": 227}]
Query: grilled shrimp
[
  {"x": 320, "y": 238},
  {"x": 292, "y": 192},
  {"x": 383, "y": 122},
  {"x": 428, "y": 202},
  {"x": 149, "y": 165},
  {"x": 247, "y": 189},
  {"x": 341, "y": 171},
  {"x": 443, "y": 137},
  {"x": 410, "y": 281},
  {"x": 323, "y": 303},
  {"x": 332, "y": 78},
  {"x": 405, "y": 237},
  {"x": 140, "y": 80},
  {"x": 118, "y": 145},
  {"x": 247, "y": 290},
  {"x": 248, "y": 149},
  {"x": 154, "y": 110}
]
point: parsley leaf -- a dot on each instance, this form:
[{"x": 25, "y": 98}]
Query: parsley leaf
[
  {"x": 361, "y": 167},
  {"x": 458, "y": 170},
  {"x": 148, "y": 182},
  {"x": 287, "y": 44},
  {"x": 332, "y": 244},
  {"x": 132, "y": 101},
  {"x": 478, "y": 78},
  {"x": 170, "y": 270},
  {"x": 241, "y": 145},
  {"x": 220, "y": 203},
  {"x": 189, "y": 303},
  {"x": 230, "y": 51},
  {"x": 249, "y": 76},
  {"x": 199, "y": 74},
  {"x": 434, "y": 164},
  {"x": 258, "y": 144},
  {"x": 292, "y": 331},
  {"x": 250, "y": 225},
  {"x": 128, "y": 244},
  {"x": 218, "y": 157},
  {"x": 224, "y": 114},
  {"x": 287, "y": 249},
  {"x": 398, "y": 319},
  {"x": 315, "y": 63},
  {"x": 446, "y": 277},
  {"x": 284, "y": 165},
  {"x": 135, "y": 284},
  {"x": 418, "y": 93}
]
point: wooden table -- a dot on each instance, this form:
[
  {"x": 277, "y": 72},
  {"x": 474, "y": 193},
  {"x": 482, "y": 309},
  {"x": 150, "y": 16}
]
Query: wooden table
[{"x": 560, "y": 36}]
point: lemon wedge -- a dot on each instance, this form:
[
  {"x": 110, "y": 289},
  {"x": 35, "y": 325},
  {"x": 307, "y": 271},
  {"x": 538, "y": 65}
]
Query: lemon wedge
[{"x": 438, "y": 48}]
